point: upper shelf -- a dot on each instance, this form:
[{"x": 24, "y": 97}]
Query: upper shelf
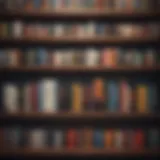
[
  {"x": 80, "y": 40},
  {"x": 83, "y": 13}
]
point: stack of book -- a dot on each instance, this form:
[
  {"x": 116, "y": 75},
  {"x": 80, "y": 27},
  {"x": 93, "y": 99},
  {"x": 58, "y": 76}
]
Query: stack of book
[
  {"x": 55, "y": 95},
  {"x": 72, "y": 138},
  {"x": 85, "y": 57},
  {"x": 88, "y": 29},
  {"x": 104, "y": 5}
]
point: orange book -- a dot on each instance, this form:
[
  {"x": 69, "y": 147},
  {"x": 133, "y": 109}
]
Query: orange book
[
  {"x": 108, "y": 137},
  {"x": 77, "y": 96},
  {"x": 98, "y": 89},
  {"x": 142, "y": 98},
  {"x": 109, "y": 58},
  {"x": 45, "y": 5},
  {"x": 88, "y": 138},
  {"x": 29, "y": 4}
]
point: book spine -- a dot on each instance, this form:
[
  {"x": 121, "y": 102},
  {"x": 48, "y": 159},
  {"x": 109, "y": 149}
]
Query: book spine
[
  {"x": 34, "y": 98},
  {"x": 71, "y": 138},
  {"x": 77, "y": 97},
  {"x": 113, "y": 96},
  {"x": 41, "y": 105},
  {"x": 88, "y": 138},
  {"x": 98, "y": 139},
  {"x": 58, "y": 138},
  {"x": 142, "y": 98},
  {"x": 10, "y": 98},
  {"x": 139, "y": 139},
  {"x": 108, "y": 138}
]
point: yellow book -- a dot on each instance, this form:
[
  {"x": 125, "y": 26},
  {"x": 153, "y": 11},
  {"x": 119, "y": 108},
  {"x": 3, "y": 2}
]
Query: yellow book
[
  {"x": 77, "y": 97},
  {"x": 142, "y": 98}
]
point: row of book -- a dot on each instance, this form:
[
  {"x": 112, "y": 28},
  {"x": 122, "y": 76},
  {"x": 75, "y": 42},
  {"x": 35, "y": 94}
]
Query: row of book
[
  {"x": 80, "y": 30},
  {"x": 107, "y": 57},
  {"x": 49, "y": 5},
  {"x": 55, "y": 95},
  {"x": 72, "y": 138}
]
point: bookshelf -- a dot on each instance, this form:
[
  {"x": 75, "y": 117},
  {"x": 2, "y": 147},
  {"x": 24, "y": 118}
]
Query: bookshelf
[
  {"x": 79, "y": 153},
  {"x": 81, "y": 14}
]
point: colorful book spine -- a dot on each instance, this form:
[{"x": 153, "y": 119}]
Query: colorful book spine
[
  {"x": 113, "y": 96},
  {"x": 152, "y": 99},
  {"x": 77, "y": 98},
  {"x": 139, "y": 139},
  {"x": 10, "y": 98},
  {"x": 34, "y": 97},
  {"x": 88, "y": 138},
  {"x": 42, "y": 56},
  {"x": 108, "y": 138},
  {"x": 118, "y": 136},
  {"x": 58, "y": 138},
  {"x": 142, "y": 92},
  {"x": 71, "y": 138},
  {"x": 98, "y": 139}
]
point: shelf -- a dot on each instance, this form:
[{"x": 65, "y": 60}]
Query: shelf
[
  {"x": 82, "y": 13},
  {"x": 79, "y": 152},
  {"x": 75, "y": 40},
  {"x": 79, "y": 69},
  {"x": 83, "y": 115}
]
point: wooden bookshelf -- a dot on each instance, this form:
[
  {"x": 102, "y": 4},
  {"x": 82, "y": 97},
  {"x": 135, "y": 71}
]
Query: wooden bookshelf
[
  {"x": 82, "y": 13},
  {"x": 79, "y": 69},
  {"x": 78, "y": 152},
  {"x": 82, "y": 115},
  {"x": 76, "y": 40}
]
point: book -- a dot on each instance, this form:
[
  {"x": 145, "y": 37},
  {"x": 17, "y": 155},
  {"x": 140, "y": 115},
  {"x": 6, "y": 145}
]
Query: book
[
  {"x": 152, "y": 98},
  {"x": 113, "y": 96},
  {"x": 71, "y": 138},
  {"x": 77, "y": 97},
  {"x": 34, "y": 96},
  {"x": 58, "y": 138},
  {"x": 10, "y": 98},
  {"x": 98, "y": 93},
  {"x": 149, "y": 57},
  {"x": 125, "y": 96},
  {"x": 92, "y": 57},
  {"x": 118, "y": 139},
  {"x": 98, "y": 138},
  {"x": 139, "y": 139},
  {"x": 12, "y": 137},
  {"x": 37, "y": 138},
  {"x": 142, "y": 91},
  {"x": 42, "y": 56},
  {"x": 27, "y": 97},
  {"x": 153, "y": 138},
  {"x": 13, "y": 57},
  {"x": 88, "y": 138},
  {"x": 108, "y": 138}
]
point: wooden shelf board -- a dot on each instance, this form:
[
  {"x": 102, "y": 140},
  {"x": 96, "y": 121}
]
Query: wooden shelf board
[
  {"x": 79, "y": 69},
  {"x": 76, "y": 40},
  {"x": 78, "y": 152},
  {"x": 83, "y": 13},
  {"x": 74, "y": 115}
]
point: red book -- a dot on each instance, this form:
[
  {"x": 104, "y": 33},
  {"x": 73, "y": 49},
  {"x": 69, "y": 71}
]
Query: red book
[
  {"x": 34, "y": 96},
  {"x": 138, "y": 139},
  {"x": 99, "y": 4},
  {"x": 71, "y": 138}
]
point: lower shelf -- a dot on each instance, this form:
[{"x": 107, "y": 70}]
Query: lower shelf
[{"x": 79, "y": 152}]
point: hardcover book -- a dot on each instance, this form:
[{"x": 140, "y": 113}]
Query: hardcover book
[
  {"x": 58, "y": 138},
  {"x": 98, "y": 138}
]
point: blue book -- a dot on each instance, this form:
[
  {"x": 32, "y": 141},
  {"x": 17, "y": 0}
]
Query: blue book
[
  {"x": 42, "y": 56},
  {"x": 98, "y": 138},
  {"x": 100, "y": 29},
  {"x": 137, "y": 4},
  {"x": 113, "y": 96},
  {"x": 152, "y": 97},
  {"x": 37, "y": 4}
]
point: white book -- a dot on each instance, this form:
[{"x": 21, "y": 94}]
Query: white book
[
  {"x": 58, "y": 58},
  {"x": 92, "y": 57},
  {"x": 58, "y": 138},
  {"x": 118, "y": 139},
  {"x": 58, "y": 30},
  {"x": 27, "y": 98},
  {"x": 17, "y": 29},
  {"x": 50, "y": 95},
  {"x": 10, "y": 98},
  {"x": 91, "y": 29},
  {"x": 37, "y": 138}
]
